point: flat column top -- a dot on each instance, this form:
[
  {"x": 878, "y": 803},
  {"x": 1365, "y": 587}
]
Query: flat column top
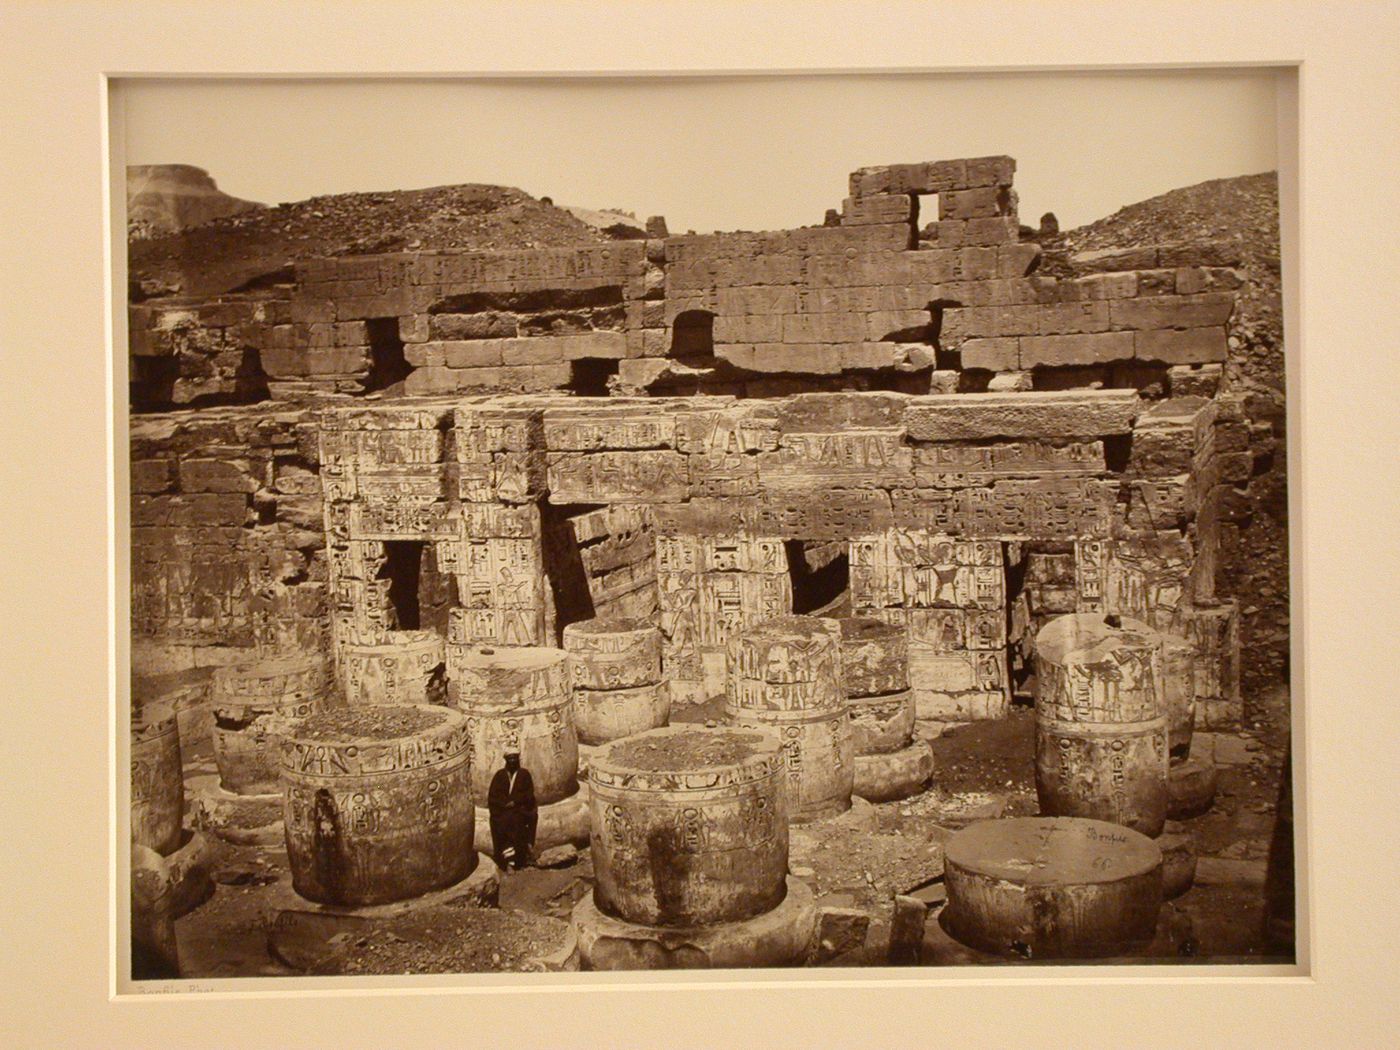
[{"x": 1045, "y": 851}]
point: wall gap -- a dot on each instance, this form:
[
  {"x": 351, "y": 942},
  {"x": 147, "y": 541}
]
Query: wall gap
[
  {"x": 388, "y": 366},
  {"x": 820, "y": 574},
  {"x": 403, "y": 568}
]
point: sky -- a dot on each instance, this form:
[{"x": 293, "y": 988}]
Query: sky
[{"x": 709, "y": 153}]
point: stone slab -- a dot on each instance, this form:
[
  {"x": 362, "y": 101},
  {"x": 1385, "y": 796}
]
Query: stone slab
[{"x": 1037, "y": 414}]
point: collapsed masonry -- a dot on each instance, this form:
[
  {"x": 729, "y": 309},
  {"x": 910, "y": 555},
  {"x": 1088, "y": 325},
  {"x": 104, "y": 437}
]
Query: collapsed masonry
[{"x": 977, "y": 446}]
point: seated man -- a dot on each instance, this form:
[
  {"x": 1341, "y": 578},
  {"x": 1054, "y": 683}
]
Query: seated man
[{"x": 511, "y": 803}]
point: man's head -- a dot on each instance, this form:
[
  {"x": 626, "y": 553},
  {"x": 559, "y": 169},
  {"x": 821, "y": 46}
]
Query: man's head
[{"x": 512, "y": 760}]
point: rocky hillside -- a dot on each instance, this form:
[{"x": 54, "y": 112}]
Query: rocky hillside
[
  {"x": 162, "y": 199},
  {"x": 1243, "y": 213},
  {"x": 258, "y": 247}
]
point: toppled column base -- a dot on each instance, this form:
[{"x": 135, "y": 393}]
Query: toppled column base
[
  {"x": 565, "y": 821},
  {"x": 480, "y": 889},
  {"x": 784, "y": 936},
  {"x": 1178, "y": 848},
  {"x": 245, "y": 820},
  {"x": 895, "y": 775},
  {"x": 1191, "y": 787}
]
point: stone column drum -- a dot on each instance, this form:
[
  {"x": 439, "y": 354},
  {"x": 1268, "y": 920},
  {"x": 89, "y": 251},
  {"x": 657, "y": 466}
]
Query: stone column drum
[
  {"x": 785, "y": 674},
  {"x": 251, "y": 701},
  {"x": 1053, "y": 887},
  {"x": 689, "y": 826},
  {"x": 517, "y": 699},
  {"x": 1101, "y": 728},
  {"x": 615, "y": 672},
  {"x": 377, "y": 803},
  {"x": 395, "y": 672},
  {"x": 157, "y": 783},
  {"x": 875, "y": 675},
  {"x": 889, "y": 764}
]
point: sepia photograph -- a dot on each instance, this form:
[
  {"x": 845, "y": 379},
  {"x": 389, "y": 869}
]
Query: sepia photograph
[
  {"x": 762, "y": 543},
  {"x": 684, "y": 526}
]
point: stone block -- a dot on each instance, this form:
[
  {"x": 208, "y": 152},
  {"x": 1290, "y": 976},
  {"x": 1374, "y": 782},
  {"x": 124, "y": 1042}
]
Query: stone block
[
  {"x": 748, "y": 328},
  {"x": 1107, "y": 285},
  {"x": 1193, "y": 279},
  {"x": 1011, "y": 381},
  {"x": 970, "y": 417},
  {"x": 284, "y": 362},
  {"x": 1106, "y": 260},
  {"x": 217, "y": 508},
  {"x": 839, "y": 931},
  {"x": 1088, "y": 349},
  {"x": 308, "y": 311},
  {"x": 870, "y": 355},
  {"x": 1194, "y": 380},
  {"x": 152, "y": 475},
  {"x": 877, "y": 208},
  {"x": 1073, "y": 318},
  {"x": 1148, "y": 313},
  {"x": 1156, "y": 282},
  {"x": 988, "y": 171},
  {"x": 1016, "y": 260},
  {"x": 531, "y": 352},
  {"x": 823, "y": 328},
  {"x": 214, "y": 475},
  {"x": 994, "y": 354},
  {"x": 999, "y": 230},
  {"x": 927, "y": 177},
  {"x": 1187, "y": 346},
  {"x": 489, "y": 324},
  {"x": 413, "y": 328},
  {"x": 983, "y": 202},
  {"x": 800, "y": 358}
]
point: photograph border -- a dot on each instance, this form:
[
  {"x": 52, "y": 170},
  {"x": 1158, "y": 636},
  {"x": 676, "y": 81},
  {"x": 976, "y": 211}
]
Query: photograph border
[{"x": 1327, "y": 274}]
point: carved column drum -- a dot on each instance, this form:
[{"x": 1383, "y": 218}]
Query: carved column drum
[
  {"x": 377, "y": 803},
  {"x": 1101, "y": 728},
  {"x": 517, "y": 699},
  {"x": 689, "y": 825},
  {"x": 613, "y": 653},
  {"x": 251, "y": 702},
  {"x": 785, "y": 674},
  {"x": 157, "y": 781},
  {"x": 615, "y": 670},
  {"x": 1179, "y": 694},
  {"x": 875, "y": 676},
  {"x": 395, "y": 672},
  {"x": 1053, "y": 887}
]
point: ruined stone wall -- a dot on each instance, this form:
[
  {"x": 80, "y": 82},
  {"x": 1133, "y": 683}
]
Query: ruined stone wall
[
  {"x": 227, "y": 536},
  {"x": 968, "y": 516},
  {"x": 928, "y": 496},
  {"x": 874, "y": 302}
]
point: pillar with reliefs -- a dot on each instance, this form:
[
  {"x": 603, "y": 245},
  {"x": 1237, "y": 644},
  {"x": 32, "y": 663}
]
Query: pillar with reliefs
[
  {"x": 377, "y": 803},
  {"x": 785, "y": 674},
  {"x": 251, "y": 702},
  {"x": 1101, "y": 724},
  {"x": 690, "y": 852},
  {"x": 890, "y": 764},
  {"x": 157, "y": 784},
  {"x": 615, "y": 673},
  {"x": 400, "y": 670}
]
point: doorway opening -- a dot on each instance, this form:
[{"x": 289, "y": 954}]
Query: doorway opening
[{"x": 820, "y": 574}]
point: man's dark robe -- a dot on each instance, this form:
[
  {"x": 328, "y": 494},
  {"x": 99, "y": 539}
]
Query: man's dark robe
[{"x": 513, "y": 815}]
